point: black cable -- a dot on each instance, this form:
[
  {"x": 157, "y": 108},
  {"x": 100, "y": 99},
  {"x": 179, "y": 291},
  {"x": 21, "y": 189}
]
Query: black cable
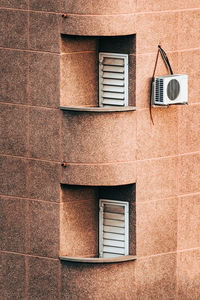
[{"x": 167, "y": 63}]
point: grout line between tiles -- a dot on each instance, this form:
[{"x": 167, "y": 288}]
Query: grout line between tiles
[
  {"x": 30, "y": 158},
  {"x": 26, "y": 276},
  {"x": 31, "y": 106},
  {"x": 104, "y": 163},
  {"x": 30, "y": 51},
  {"x": 167, "y": 253},
  {"x": 28, "y": 199},
  {"x": 59, "y": 281},
  {"x": 30, "y": 255},
  {"x": 29, "y": 10},
  {"x": 135, "y": 13}
]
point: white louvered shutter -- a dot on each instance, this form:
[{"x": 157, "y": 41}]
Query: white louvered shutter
[
  {"x": 113, "y": 228},
  {"x": 113, "y": 79}
]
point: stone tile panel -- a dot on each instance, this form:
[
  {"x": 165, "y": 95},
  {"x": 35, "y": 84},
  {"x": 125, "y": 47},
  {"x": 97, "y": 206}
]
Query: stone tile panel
[
  {"x": 156, "y": 227},
  {"x": 13, "y": 76},
  {"x": 13, "y": 123},
  {"x": 13, "y": 176},
  {"x": 44, "y": 229},
  {"x": 13, "y": 224},
  {"x": 15, "y": 29}
]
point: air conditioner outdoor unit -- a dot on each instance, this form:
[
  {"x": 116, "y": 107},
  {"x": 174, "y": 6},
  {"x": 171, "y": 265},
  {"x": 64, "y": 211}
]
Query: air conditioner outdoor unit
[{"x": 171, "y": 89}]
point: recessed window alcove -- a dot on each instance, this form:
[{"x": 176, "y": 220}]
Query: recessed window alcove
[
  {"x": 79, "y": 222},
  {"x": 80, "y": 71}
]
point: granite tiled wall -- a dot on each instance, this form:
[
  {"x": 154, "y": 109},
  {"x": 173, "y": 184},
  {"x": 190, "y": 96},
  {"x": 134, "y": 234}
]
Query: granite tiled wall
[
  {"x": 167, "y": 155},
  {"x": 168, "y": 175},
  {"x": 30, "y": 148}
]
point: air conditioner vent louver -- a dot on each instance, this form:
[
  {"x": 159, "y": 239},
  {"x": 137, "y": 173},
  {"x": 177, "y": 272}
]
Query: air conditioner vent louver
[
  {"x": 159, "y": 90},
  {"x": 113, "y": 79},
  {"x": 172, "y": 89}
]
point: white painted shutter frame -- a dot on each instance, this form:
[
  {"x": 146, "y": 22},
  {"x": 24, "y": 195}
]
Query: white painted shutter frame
[
  {"x": 113, "y": 228},
  {"x": 113, "y": 79}
]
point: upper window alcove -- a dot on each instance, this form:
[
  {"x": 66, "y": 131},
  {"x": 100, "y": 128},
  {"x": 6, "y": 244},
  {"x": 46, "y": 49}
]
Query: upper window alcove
[{"x": 80, "y": 74}]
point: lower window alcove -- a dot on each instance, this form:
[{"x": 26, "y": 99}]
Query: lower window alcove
[{"x": 79, "y": 221}]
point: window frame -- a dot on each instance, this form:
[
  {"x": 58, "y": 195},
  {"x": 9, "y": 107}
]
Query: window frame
[
  {"x": 125, "y": 57},
  {"x": 125, "y": 204}
]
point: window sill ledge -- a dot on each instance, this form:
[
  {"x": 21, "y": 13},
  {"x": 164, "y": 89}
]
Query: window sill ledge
[
  {"x": 98, "y": 109},
  {"x": 97, "y": 260}
]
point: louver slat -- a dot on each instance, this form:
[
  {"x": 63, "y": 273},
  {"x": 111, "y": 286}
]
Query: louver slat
[
  {"x": 109, "y": 255},
  {"x": 118, "y": 244},
  {"x": 114, "y": 250},
  {"x": 113, "y": 102},
  {"x": 114, "y": 216},
  {"x": 113, "y": 69},
  {"x": 112, "y": 82},
  {"x": 113, "y": 236},
  {"x": 113, "y": 228},
  {"x": 113, "y": 79},
  {"x": 114, "y": 62},
  {"x": 113, "y": 95},
  {"x": 112, "y": 88},
  {"x": 115, "y": 223},
  {"x": 113, "y": 75}
]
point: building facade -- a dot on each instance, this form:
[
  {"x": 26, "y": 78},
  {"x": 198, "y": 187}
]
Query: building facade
[{"x": 68, "y": 144}]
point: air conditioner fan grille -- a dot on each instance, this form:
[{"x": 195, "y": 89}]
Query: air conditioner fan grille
[{"x": 173, "y": 89}]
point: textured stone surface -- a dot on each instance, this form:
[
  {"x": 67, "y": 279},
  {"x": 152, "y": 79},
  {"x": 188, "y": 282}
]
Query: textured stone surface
[
  {"x": 156, "y": 277},
  {"x": 151, "y": 5},
  {"x": 189, "y": 222},
  {"x": 100, "y": 174},
  {"x": 188, "y": 275},
  {"x": 156, "y": 179},
  {"x": 13, "y": 76},
  {"x": 50, "y": 5},
  {"x": 44, "y": 133},
  {"x": 76, "y": 87},
  {"x": 79, "y": 228},
  {"x": 14, "y": 3},
  {"x": 99, "y": 7},
  {"x": 189, "y": 29},
  {"x": 71, "y": 193},
  {"x": 15, "y": 28},
  {"x": 188, "y": 65},
  {"x": 13, "y": 276},
  {"x": 46, "y": 26},
  {"x": 189, "y": 173},
  {"x": 107, "y": 281},
  {"x": 13, "y": 224},
  {"x": 44, "y": 181},
  {"x": 100, "y": 137},
  {"x": 159, "y": 139},
  {"x": 153, "y": 29},
  {"x": 44, "y": 229},
  {"x": 99, "y": 25},
  {"x": 189, "y": 4},
  {"x": 43, "y": 278},
  {"x": 13, "y": 135},
  {"x": 13, "y": 176},
  {"x": 70, "y": 43},
  {"x": 44, "y": 72},
  {"x": 189, "y": 128},
  {"x": 156, "y": 228}
]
